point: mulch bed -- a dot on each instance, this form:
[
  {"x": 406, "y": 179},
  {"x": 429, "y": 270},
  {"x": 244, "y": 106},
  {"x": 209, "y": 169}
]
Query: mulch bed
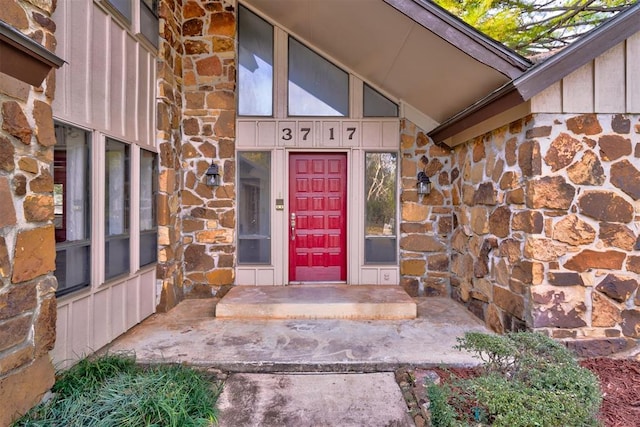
[{"x": 619, "y": 382}]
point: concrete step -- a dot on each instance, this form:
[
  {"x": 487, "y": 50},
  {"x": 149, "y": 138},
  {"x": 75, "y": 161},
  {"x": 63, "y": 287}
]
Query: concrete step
[{"x": 356, "y": 302}]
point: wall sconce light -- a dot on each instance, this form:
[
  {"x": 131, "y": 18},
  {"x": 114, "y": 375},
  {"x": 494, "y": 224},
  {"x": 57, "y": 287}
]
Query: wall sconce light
[
  {"x": 424, "y": 184},
  {"x": 212, "y": 175}
]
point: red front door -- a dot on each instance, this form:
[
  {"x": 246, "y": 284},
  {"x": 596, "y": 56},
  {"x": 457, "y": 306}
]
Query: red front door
[{"x": 317, "y": 217}]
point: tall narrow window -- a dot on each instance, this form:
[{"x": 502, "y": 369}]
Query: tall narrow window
[
  {"x": 254, "y": 195},
  {"x": 149, "y": 23},
  {"x": 378, "y": 105},
  {"x": 123, "y": 7},
  {"x": 255, "y": 76},
  {"x": 148, "y": 219},
  {"x": 316, "y": 86},
  {"x": 117, "y": 200},
  {"x": 71, "y": 195},
  {"x": 380, "y": 208}
]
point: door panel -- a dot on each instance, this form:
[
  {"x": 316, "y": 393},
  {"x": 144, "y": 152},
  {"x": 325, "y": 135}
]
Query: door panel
[{"x": 317, "y": 217}]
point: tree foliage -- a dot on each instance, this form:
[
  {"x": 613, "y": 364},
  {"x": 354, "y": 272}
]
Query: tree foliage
[{"x": 535, "y": 26}]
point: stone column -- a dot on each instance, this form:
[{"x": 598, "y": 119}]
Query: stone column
[{"x": 27, "y": 246}]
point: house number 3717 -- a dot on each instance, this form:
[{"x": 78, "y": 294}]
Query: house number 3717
[{"x": 287, "y": 133}]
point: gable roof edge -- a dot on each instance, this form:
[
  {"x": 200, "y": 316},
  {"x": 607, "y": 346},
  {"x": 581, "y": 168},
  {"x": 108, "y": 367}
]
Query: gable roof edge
[{"x": 463, "y": 36}]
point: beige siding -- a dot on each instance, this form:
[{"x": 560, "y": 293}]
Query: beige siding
[{"x": 608, "y": 84}]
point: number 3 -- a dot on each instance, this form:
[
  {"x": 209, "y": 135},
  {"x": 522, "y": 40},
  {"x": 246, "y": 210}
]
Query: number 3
[{"x": 286, "y": 134}]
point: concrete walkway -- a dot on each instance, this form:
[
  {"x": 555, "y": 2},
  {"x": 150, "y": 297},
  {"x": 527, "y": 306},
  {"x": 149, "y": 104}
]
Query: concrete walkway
[{"x": 305, "y": 372}]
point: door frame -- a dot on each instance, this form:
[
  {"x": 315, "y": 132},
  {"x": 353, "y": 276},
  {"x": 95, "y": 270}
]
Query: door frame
[{"x": 348, "y": 248}]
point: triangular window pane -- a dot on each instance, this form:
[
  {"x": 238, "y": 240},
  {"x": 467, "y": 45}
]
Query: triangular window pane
[{"x": 378, "y": 105}]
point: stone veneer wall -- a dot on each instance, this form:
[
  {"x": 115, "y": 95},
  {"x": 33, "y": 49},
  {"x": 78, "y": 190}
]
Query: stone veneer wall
[
  {"x": 427, "y": 221},
  {"x": 548, "y": 236},
  {"x": 27, "y": 246},
  {"x": 196, "y": 121}
]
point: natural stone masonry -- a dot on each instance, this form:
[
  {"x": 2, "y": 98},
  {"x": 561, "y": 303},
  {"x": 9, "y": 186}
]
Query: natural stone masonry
[
  {"x": 27, "y": 247},
  {"x": 549, "y": 241}
]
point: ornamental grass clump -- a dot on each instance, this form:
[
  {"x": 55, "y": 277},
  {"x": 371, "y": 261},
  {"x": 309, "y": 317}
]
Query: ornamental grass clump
[
  {"x": 527, "y": 379},
  {"x": 113, "y": 391}
]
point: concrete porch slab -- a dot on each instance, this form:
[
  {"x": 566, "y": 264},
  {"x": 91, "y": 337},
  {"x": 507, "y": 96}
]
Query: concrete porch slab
[
  {"x": 191, "y": 334},
  {"x": 322, "y": 301}
]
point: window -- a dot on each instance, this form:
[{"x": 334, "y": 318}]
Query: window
[
  {"x": 380, "y": 208},
  {"x": 117, "y": 201},
  {"x": 148, "y": 218},
  {"x": 254, "y": 194},
  {"x": 123, "y": 7},
  {"x": 149, "y": 23},
  {"x": 255, "y": 77},
  {"x": 71, "y": 195},
  {"x": 316, "y": 86},
  {"x": 378, "y": 105}
]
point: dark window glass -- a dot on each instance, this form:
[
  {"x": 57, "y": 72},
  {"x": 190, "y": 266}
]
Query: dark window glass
[
  {"x": 117, "y": 207},
  {"x": 148, "y": 218},
  {"x": 378, "y": 105},
  {"x": 254, "y": 219},
  {"x": 380, "y": 208}
]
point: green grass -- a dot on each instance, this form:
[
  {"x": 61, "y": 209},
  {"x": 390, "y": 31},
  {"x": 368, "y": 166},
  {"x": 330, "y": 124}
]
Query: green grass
[{"x": 112, "y": 390}]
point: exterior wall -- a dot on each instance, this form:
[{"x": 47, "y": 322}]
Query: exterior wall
[
  {"x": 548, "y": 235},
  {"x": 426, "y": 221},
  {"x": 106, "y": 88},
  {"x": 27, "y": 246}
]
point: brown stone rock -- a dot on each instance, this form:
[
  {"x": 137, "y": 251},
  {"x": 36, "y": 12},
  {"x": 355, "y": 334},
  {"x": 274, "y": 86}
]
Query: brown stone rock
[
  {"x": 412, "y": 228},
  {"x": 43, "y": 183},
  {"x": 223, "y": 44},
  {"x": 411, "y": 286},
  {"x": 485, "y": 194},
  {"x": 34, "y": 254},
  {"x": 626, "y": 177},
  {"x": 562, "y": 151},
  {"x": 586, "y": 124},
  {"x": 7, "y": 210},
  {"x": 5, "y": 262},
  {"x": 510, "y": 151},
  {"x": 523, "y": 271},
  {"x": 28, "y": 164},
  {"x": 38, "y": 207},
  {"x": 14, "y": 331},
  {"x": 574, "y": 231},
  {"x": 25, "y": 388},
  {"x": 16, "y": 359},
  {"x": 508, "y": 301},
  {"x": 413, "y": 267},
  {"x": 549, "y": 192},
  {"x": 509, "y": 180},
  {"x": 45, "y": 327},
  {"x": 620, "y": 124},
  {"x": 15, "y": 122},
  {"x": 631, "y": 323},
  {"x": 221, "y": 276},
  {"x": 612, "y": 147},
  {"x": 14, "y": 15},
  {"x": 617, "y": 235},
  {"x": 221, "y": 100},
  {"x": 192, "y": 27},
  {"x": 196, "y": 47},
  {"x": 225, "y": 125},
  {"x": 438, "y": 262},
  {"x": 538, "y": 132},
  {"x": 528, "y": 221},
  {"x": 196, "y": 258},
  {"x": 478, "y": 150},
  {"x": 543, "y": 249},
  {"x": 209, "y": 66},
  {"x": 599, "y": 347},
  {"x": 633, "y": 264},
  {"x": 618, "y": 288},
  {"x": 479, "y": 221},
  {"x": 17, "y": 300},
  {"x": 565, "y": 279},
  {"x": 223, "y": 24},
  {"x": 414, "y": 212},
  {"x": 191, "y": 126},
  {"x": 192, "y": 9},
  {"x": 510, "y": 248},
  {"x": 497, "y": 170},
  {"x": 605, "y": 313},
  {"x": 588, "y": 259},
  {"x": 499, "y": 221},
  {"x": 421, "y": 243},
  {"x": 529, "y": 158},
  {"x": 44, "y": 123},
  {"x": 558, "y": 308},
  {"x": 587, "y": 171},
  {"x": 605, "y": 206},
  {"x": 7, "y": 153},
  {"x": 494, "y": 319},
  {"x": 516, "y": 197}
]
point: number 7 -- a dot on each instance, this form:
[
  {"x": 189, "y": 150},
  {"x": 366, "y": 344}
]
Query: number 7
[
  {"x": 351, "y": 132},
  {"x": 305, "y": 132}
]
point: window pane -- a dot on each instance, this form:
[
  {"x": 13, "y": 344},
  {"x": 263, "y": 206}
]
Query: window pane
[
  {"x": 316, "y": 86},
  {"x": 380, "y": 207},
  {"x": 255, "y": 77},
  {"x": 71, "y": 195},
  {"x": 254, "y": 216},
  {"x": 378, "y": 105},
  {"x": 148, "y": 219},
  {"x": 149, "y": 25},
  {"x": 117, "y": 201},
  {"x": 122, "y": 6}
]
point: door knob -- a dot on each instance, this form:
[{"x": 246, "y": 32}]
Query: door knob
[{"x": 293, "y": 226}]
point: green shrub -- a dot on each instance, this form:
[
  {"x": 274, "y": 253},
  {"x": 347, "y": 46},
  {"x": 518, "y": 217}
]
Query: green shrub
[
  {"x": 113, "y": 391},
  {"x": 527, "y": 379}
]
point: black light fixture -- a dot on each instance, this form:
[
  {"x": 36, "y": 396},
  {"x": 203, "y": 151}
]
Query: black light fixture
[
  {"x": 424, "y": 184},
  {"x": 212, "y": 175}
]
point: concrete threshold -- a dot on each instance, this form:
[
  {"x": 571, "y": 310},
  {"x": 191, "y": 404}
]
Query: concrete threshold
[{"x": 317, "y": 301}]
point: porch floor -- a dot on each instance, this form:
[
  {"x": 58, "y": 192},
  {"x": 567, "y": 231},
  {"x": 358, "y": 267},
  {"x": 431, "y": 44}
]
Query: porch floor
[
  {"x": 191, "y": 334},
  {"x": 321, "y": 301}
]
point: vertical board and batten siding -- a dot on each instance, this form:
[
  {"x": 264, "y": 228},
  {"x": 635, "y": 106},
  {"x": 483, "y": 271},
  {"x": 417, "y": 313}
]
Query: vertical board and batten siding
[
  {"x": 608, "y": 84},
  {"x": 108, "y": 87}
]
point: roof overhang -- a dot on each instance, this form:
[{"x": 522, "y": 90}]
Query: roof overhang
[{"x": 24, "y": 58}]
